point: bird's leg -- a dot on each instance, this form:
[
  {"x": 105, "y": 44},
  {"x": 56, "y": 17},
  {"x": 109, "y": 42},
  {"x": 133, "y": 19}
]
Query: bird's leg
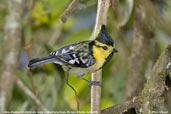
[{"x": 91, "y": 83}]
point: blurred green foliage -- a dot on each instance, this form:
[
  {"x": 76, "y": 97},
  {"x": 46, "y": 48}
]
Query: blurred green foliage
[
  {"x": 46, "y": 12},
  {"x": 46, "y": 33}
]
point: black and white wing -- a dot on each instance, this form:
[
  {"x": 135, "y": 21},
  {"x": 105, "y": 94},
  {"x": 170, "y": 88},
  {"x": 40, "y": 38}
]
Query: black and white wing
[{"x": 76, "y": 55}]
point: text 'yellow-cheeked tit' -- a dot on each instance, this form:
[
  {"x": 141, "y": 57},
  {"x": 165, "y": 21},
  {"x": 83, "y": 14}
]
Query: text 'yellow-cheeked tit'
[{"x": 83, "y": 57}]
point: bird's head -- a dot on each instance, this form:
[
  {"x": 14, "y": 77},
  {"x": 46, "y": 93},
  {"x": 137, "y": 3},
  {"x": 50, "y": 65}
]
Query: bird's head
[
  {"x": 103, "y": 46},
  {"x": 104, "y": 37}
]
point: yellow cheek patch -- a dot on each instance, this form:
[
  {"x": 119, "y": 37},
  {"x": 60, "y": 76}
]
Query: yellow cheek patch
[
  {"x": 100, "y": 54},
  {"x": 99, "y": 57}
]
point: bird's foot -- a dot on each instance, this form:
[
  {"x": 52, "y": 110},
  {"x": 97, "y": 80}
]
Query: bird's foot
[
  {"x": 91, "y": 83},
  {"x": 95, "y": 83}
]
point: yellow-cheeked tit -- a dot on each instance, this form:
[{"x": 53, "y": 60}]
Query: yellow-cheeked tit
[{"x": 82, "y": 57}]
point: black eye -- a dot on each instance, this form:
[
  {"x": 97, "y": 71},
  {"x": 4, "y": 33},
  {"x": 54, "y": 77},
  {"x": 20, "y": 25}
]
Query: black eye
[{"x": 105, "y": 47}]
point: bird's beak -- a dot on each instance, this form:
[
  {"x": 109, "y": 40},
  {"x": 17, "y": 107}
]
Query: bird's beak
[{"x": 115, "y": 50}]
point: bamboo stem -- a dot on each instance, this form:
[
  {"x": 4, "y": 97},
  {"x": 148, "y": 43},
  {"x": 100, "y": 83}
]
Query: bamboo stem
[{"x": 101, "y": 19}]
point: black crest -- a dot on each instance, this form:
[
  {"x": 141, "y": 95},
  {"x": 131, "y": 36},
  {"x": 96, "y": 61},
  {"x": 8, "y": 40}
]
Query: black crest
[{"x": 104, "y": 37}]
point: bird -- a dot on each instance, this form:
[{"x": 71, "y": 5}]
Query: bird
[{"x": 82, "y": 57}]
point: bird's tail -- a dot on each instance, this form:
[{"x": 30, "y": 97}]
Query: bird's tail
[{"x": 39, "y": 61}]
